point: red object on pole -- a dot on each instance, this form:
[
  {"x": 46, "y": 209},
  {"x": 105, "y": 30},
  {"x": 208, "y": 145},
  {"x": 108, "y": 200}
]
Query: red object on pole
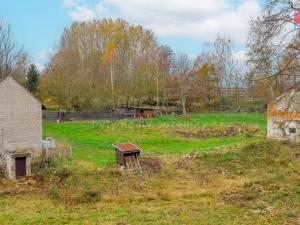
[{"x": 297, "y": 18}]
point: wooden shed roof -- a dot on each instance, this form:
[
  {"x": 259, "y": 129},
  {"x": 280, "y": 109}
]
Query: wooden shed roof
[{"x": 127, "y": 147}]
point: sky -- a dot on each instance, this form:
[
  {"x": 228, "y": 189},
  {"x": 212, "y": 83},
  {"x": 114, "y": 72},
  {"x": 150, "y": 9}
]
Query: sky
[{"x": 187, "y": 26}]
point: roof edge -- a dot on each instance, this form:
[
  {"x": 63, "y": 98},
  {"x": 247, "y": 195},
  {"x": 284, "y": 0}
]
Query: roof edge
[{"x": 11, "y": 77}]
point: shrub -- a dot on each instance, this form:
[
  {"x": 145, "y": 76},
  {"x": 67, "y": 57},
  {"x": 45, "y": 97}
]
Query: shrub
[{"x": 62, "y": 173}]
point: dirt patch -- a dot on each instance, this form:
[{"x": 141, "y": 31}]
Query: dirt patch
[
  {"x": 218, "y": 131},
  {"x": 234, "y": 197},
  {"x": 13, "y": 191},
  {"x": 151, "y": 164}
]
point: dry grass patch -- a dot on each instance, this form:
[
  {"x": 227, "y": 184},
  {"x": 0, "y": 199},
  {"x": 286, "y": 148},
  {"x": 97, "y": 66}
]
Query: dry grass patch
[
  {"x": 217, "y": 130},
  {"x": 255, "y": 184}
]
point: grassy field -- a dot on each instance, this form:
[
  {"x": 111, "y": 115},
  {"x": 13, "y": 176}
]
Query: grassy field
[
  {"x": 209, "y": 169},
  {"x": 92, "y": 141}
]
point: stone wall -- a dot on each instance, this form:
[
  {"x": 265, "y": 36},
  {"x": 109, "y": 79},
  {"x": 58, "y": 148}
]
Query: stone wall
[
  {"x": 20, "y": 118},
  {"x": 10, "y": 160},
  {"x": 2, "y": 166},
  {"x": 279, "y": 128},
  {"x": 284, "y": 117}
]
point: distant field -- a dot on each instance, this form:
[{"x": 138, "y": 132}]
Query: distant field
[{"x": 91, "y": 140}]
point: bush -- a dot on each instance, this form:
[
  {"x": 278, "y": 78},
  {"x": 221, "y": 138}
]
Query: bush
[{"x": 62, "y": 173}]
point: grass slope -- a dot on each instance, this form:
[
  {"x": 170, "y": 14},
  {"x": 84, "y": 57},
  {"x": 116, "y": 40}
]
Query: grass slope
[
  {"x": 256, "y": 184},
  {"x": 92, "y": 141}
]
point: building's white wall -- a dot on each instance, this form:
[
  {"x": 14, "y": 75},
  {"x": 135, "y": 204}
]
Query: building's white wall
[
  {"x": 280, "y": 129},
  {"x": 273, "y": 129},
  {"x": 20, "y": 118}
]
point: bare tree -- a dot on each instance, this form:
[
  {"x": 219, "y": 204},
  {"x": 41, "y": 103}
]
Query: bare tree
[
  {"x": 274, "y": 44},
  {"x": 10, "y": 54},
  {"x": 183, "y": 68},
  {"x": 223, "y": 59}
]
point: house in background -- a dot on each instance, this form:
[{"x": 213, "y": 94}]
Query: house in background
[
  {"x": 20, "y": 128},
  {"x": 284, "y": 116}
]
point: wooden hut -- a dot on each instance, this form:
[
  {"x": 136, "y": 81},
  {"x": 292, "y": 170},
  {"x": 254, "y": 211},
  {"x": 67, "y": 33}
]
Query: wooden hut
[
  {"x": 143, "y": 112},
  {"x": 127, "y": 155}
]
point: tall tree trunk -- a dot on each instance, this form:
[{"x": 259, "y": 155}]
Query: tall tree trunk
[
  {"x": 157, "y": 88},
  {"x": 183, "y": 103},
  {"x": 271, "y": 90},
  {"x": 112, "y": 85}
]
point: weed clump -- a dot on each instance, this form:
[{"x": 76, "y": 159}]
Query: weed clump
[
  {"x": 61, "y": 173},
  {"x": 151, "y": 164},
  {"x": 87, "y": 196}
]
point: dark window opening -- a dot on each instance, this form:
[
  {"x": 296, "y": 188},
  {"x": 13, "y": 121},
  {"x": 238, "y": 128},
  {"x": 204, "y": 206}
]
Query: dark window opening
[{"x": 292, "y": 130}]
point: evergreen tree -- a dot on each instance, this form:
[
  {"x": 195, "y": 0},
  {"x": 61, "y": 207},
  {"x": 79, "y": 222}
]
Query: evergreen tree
[{"x": 32, "y": 78}]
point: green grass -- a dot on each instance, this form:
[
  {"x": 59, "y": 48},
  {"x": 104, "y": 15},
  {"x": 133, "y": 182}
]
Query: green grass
[
  {"x": 240, "y": 179},
  {"x": 257, "y": 184},
  {"x": 92, "y": 141},
  {"x": 214, "y": 118}
]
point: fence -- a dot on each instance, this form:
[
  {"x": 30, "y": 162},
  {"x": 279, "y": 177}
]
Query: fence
[{"x": 69, "y": 116}]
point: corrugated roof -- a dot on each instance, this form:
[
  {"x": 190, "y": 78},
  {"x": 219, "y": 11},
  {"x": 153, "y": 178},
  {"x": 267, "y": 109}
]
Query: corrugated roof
[{"x": 127, "y": 147}]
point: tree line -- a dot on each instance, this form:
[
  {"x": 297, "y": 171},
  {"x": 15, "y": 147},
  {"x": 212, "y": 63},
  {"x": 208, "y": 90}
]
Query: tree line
[{"x": 106, "y": 64}]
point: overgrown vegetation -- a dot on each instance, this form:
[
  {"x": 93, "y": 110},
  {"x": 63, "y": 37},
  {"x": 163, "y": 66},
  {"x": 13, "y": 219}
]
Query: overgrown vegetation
[
  {"x": 240, "y": 179},
  {"x": 255, "y": 184}
]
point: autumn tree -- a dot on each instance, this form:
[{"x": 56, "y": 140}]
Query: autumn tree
[
  {"x": 108, "y": 57},
  {"x": 108, "y": 62},
  {"x": 208, "y": 81},
  {"x": 55, "y": 85},
  {"x": 164, "y": 61},
  {"x": 105, "y": 64}
]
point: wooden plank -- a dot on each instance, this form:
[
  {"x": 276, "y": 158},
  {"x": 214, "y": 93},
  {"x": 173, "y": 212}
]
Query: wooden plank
[{"x": 139, "y": 164}]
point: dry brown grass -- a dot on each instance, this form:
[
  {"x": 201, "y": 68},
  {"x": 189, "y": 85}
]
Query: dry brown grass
[{"x": 258, "y": 184}]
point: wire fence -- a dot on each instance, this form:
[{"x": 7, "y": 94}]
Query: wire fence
[{"x": 77, "y": 115}]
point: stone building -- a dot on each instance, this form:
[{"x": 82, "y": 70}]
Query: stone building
[
  {"x": 284, "y": 116},
  {"x": 20, "y": 128}
]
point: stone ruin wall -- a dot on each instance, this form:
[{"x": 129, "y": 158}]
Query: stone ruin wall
[{"x": 279, "y": 118}]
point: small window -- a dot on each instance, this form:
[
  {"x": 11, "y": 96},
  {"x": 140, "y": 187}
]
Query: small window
[{"x": 292, "y": 130}]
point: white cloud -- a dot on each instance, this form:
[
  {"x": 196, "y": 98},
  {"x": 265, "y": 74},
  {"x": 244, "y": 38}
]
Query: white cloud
[
  {"x": 82, "y": 13},
  {"x": 69, "y": 3},
  {"x": 46, "y": 54},
  {"x": 240, "y": 56},
  {"x": 39, "y": 66},
  {"x": 198, "y": 19}
]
